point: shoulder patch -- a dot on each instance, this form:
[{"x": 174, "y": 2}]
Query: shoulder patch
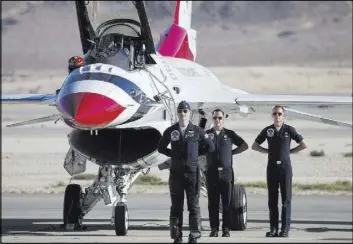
[
  {"x": 175, "y": 135},
  {"x": 270, "y": 132}
]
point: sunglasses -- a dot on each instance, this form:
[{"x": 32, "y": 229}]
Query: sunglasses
[
  {"x": 185, "y": 111},
  {"x": 279, "y": 114},
  {"x": 220, "y": 118}
]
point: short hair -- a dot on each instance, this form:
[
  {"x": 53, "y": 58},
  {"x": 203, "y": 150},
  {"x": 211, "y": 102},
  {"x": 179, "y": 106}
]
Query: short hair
[
  {"x": 218, "y": 110},
  {"x": 278, "y": 106}
]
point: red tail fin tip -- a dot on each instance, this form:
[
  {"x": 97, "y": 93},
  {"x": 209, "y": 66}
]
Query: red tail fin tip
[{"x": 179, "y": 40}]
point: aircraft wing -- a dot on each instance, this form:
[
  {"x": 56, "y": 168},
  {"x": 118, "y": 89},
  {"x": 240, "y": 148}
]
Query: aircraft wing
[
  {"x": 45, "y": 99},
  {"x": 42, "y": 99},
  {"x": 263, "y": 103},
  {"x": 293, "y": 100},
  {"x": 205, "y": 92},
  {"x": 36, "y": 121},
  {"x": 317, "y": 118}
]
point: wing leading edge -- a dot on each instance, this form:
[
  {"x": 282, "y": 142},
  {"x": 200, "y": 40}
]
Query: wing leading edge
[
  {"x": 316, "y": 118},
  {"x": 41, "y": 99},
  {"x": 263, "y": 103},
  {"x": 36, "y": 121},
  {"x": 293, "y": 100},
  {"x": 45, "y": 99}
]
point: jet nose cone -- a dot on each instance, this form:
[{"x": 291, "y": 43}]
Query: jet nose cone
[{"x": 90, "y": 109}]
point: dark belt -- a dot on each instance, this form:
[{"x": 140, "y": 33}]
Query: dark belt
[
  {"x": 219, "y": 168},
  {"x": 183, "y": 164},
  {"x": 223, "y": 168}
]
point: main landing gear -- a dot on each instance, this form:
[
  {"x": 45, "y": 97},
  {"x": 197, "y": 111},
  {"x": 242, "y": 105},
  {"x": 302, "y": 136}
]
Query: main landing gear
[
  {"x": 111, "y": 184},
  {"x": 72, "y": 207}
]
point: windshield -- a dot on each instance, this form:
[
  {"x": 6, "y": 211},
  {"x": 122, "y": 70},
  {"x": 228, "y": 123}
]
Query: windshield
[{"x": 100, "y": 12}]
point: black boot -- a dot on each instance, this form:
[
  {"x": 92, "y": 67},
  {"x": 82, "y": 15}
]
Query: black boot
[
  {"x": 192, "y": 240},
  {"x": 214, "y": 233},
  {"x": 283, "y": 233},
  {"x": 174, "y": 227},
  {"x": 225, "y": 233},
  {"x": 179, "y": 239},
  {"x": 272, "y": 233},
  {"x": 195, "y": 229}
]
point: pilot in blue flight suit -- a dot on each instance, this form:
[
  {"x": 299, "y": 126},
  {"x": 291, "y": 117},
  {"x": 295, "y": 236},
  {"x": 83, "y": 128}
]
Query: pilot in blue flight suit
[
  {"x": 186, "y": 141},
  {"x": 279, "y": 168},
  {"x": 219, "y": 175}
]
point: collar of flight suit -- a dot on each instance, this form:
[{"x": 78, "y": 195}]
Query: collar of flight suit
[
  {"x": 222, "y": 132},
  {"x": 188, "y": 128},
  {"x": 279, "y": 132}
]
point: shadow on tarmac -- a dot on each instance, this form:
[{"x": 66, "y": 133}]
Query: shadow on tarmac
[{"x": 40, "y": 227}]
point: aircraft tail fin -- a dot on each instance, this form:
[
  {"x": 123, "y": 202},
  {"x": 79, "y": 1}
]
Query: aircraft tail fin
[
  {"x": 182, "y": 14},
  {"x": 179, "y": 39}
]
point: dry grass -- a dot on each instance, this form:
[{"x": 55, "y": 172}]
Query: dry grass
[
  {"x": 336, "y": 186},
  {"x": 316, "y": 153},
  {"x": 152, "y": 180},
  {"x": 84, "y": 177},
  {"x": 149, "y": 180},
  {"x": 59, "y": 184},
  {"x": 141, "y": 180}
]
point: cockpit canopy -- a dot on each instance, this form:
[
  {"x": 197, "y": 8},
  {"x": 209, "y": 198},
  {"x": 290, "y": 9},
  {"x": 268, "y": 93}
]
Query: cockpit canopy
[
  {"x": 119, "y": 33},
  {"x": 101, "y": 13}
]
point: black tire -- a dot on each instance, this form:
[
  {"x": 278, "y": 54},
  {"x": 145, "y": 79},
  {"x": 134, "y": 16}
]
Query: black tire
[
  {"x": 121, "y": 220},
  {"x": 72, "y": 205},
  {"x": 238, "y": 208}
]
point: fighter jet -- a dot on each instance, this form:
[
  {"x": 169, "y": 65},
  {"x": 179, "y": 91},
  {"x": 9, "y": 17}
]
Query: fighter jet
[{"x": 121, "y": 94}]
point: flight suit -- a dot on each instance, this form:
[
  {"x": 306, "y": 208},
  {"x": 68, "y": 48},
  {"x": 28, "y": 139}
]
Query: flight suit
[
  {"x": 279, "y": 171},
  {"x": 184, "y": 175},
  {"x": 220, "y": 176}
]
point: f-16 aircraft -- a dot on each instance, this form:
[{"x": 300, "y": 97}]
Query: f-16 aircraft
[{"x": 121, "y": 95}]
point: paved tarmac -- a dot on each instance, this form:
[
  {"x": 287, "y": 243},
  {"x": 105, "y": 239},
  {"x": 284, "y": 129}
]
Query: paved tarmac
[{"x": 37, "y": 218}]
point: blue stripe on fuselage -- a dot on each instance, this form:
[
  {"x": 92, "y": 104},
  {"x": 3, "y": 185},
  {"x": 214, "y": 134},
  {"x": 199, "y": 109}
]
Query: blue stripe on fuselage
[{"x": 128, "y": 86}]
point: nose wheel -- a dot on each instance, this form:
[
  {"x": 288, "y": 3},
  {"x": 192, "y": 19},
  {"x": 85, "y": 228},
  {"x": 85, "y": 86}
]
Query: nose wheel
[{"x": 121, "y": 219}]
